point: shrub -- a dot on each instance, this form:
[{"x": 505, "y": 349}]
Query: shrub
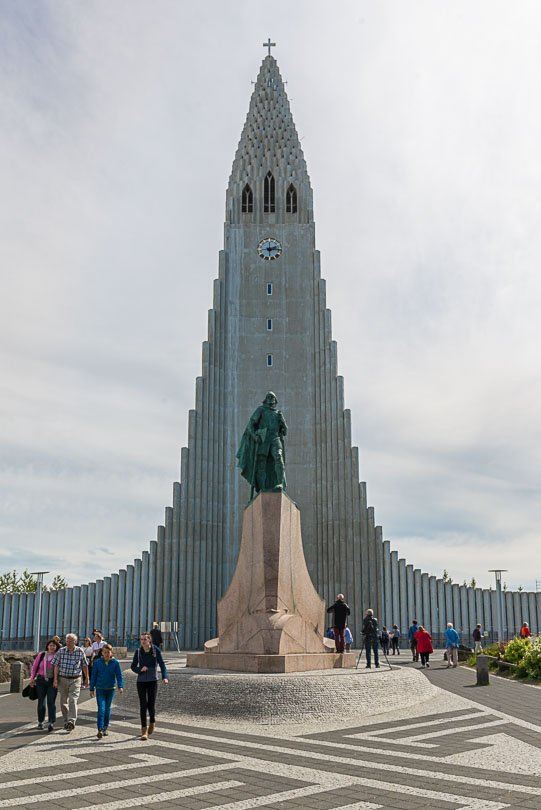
[
  {"x": 530, "y": 665},
  {"x": 516, "y": 649}
]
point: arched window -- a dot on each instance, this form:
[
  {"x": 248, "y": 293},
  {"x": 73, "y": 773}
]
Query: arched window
[
  {"x": 269, "y": 206},
  {"x": 247, "y": 200},
  {"x": 291, "y": 200}
]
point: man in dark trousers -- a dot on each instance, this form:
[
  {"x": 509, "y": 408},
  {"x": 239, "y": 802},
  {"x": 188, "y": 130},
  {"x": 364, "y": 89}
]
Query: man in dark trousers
[
  {"x": 341, "y": 612},
  {"x": 371, "y": 633},
  {"x": 156, "y": 636}
]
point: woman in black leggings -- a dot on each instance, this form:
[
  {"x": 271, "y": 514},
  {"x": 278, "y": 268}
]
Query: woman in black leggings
[{"x": 146, "y": 661}]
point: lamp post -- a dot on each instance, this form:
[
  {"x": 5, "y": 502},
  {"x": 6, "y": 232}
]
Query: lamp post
[
  {"x": 37, "y": 606},
  {"x": 498, "y": 574}
]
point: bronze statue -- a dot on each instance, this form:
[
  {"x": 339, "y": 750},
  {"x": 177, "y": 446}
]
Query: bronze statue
[{"x": 261, "y": 453}]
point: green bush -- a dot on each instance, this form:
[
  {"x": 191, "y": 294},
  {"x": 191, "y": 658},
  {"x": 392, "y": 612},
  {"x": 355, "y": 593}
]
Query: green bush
[
  {"x": 530, "y": 665},
  {"x": 516, "y": 649}
]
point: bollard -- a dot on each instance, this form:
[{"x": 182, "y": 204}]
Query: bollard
[
  {"x": 482, "y": 670},
  {"x": 17, "y": 681}
]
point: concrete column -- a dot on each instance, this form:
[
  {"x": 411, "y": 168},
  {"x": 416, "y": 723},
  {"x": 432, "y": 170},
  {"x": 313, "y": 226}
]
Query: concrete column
[
  {"x": 113, "y": 609},
  {"x": 84, "y": 619},
  {"x": 106, "y": 607},
  {"x": 465, "y": 622},
  {"x": 98, "y": 605},
  {"x": 91, "y": 608},
  {"x": 29, "y": 618},
  {"x": 442, "y": 610},
  {"x": 418, "y": 596},
  {"x": 486, "y": 618},
  {"x": 471, "y": 614},
  {"x": 511, "y": 623},
  {"x": 60, "y": 612},
  {"x": 152, "y": 569},
  {"x": 68, "y": 607},
  {"x": 532, "y": 612},
  {"x": 182, "y": 550},
  {"x": 48, "y": 628},
  {"x": 22, "y": 616},
  {"x": 128, "y": 602},
  {"x": 144, "y": 621},
  {"x": 387, "y": 593},
  {"x": 14, "y": 616},
  {"x": 525, "y": 609},
  {"x": 121, "y": 606},
  {"x": 175, "y": 554},
  {"x": 426, "y": 600},
  {"x": 6, "y": 617},
  {"x": 449, "y": 611},
  {"x": 2, "y": 628},
  {"x": 395, "y": 587},
  {"x": 411, "y": 603},
  {"x": 158, "y": 598},
  {"x": 404, "y": 621},
  {"x": 456, "y": 618},
  {"x": 136, "y": 602},
  {"x": 434, "y": 612},
  {"x": 167, "y": 554}
]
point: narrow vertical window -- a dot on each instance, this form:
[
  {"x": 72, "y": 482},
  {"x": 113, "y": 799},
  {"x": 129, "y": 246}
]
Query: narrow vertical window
[
  {"x": 269, "y": 360},
  {"x": 269, "y": 324},
  {"x": 291, "y": 200},
  {"x": 269, "y": 288},
  {"x": 269, "y": 206},
  {"x": 247, "y": 200}
]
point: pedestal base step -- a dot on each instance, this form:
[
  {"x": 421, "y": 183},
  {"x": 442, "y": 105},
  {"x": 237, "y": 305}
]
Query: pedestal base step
[{"x": 238, "y": 662}]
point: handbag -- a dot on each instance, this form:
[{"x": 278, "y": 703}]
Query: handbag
[{"x": 30, "y": 692}]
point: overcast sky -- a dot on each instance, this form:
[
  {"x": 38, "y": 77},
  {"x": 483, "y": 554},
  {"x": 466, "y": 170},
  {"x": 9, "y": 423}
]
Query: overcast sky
[{"x": 421, "y": 127}]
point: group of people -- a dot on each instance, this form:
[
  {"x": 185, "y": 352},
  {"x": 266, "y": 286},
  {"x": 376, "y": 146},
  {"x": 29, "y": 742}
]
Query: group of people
[
  {"x": 68, "y": 668},
  {"x": 419, "y": 638}
]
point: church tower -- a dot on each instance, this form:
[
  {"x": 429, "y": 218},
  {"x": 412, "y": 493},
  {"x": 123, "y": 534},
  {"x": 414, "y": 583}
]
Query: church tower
[{"x": 270, "y": 330}]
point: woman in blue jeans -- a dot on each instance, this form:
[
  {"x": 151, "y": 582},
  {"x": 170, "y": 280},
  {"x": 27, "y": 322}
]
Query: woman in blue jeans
[{"x": 106, "y": 673}]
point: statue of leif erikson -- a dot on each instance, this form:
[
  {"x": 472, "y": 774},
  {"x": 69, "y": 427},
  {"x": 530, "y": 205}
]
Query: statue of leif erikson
[{"x": 261, "y": 453}]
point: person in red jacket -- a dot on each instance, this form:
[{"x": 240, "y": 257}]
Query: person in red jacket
[
  {"x": 525, "y": 631},
  {"x": 424, "y": 645}
]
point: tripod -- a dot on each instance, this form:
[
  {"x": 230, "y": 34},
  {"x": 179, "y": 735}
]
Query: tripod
[{"x": 384, "y": 654}]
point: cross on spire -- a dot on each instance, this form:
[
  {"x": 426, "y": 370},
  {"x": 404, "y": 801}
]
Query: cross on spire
[{"x": 268, "y": 44}]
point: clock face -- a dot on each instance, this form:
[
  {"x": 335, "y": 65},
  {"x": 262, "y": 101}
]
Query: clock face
[{"x": 269, "y": 248}]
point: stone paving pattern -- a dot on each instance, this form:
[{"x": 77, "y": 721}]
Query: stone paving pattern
[{"x": 454, "y": 750}]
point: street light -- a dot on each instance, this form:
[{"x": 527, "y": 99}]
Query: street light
[
  {"x": 498, "y": 574},
  {"x": 37, "y": 606}
]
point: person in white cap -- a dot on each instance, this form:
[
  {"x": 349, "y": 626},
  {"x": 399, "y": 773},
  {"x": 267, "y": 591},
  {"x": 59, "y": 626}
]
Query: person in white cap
[{"x": 341, "y": 612}]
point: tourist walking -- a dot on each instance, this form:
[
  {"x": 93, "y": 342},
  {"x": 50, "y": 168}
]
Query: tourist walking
[
  {"x": 411, "y": 638},
  {"x": 106, "y": 673},
  {"x": 69, "y": 667},
  {"x": 42, "y": 677},
  {"x": 156, "y": 635},
  {"x": 525, "y": 631},
  {"x": 395, "y": 640},
  {"x": 341, "y": 612},
  {"x": 477, "y": 636},
  {"x": 98, "y": 643},
  {"x": 371, "y": 635},
  {"x": 424, "y": 645},
  {"x": 146, "y": 661},
  {"x": 452, "y": 642},
  {"x": 89, "y": 653},
  {"x": 385, "y": 640}
]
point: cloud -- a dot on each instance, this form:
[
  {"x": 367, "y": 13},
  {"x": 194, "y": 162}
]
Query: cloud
[{"x": 420, "y": 126}]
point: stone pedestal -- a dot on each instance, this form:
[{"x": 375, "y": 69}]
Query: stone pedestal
[{"x": 271, "y": 619}]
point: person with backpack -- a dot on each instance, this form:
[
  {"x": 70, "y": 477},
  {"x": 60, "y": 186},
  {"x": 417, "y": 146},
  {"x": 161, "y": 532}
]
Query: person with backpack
[
  {"x": 395, "y": 640},
  {"x": 146, "y": 661},
  {"x": 341, "y": 612},
  {"x": 42, "y": 676},
  {"x": 371, "y": 635}
]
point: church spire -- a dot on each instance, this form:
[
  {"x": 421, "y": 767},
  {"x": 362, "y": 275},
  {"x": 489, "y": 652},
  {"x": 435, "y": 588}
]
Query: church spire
[{"x": 269, "y": 152}]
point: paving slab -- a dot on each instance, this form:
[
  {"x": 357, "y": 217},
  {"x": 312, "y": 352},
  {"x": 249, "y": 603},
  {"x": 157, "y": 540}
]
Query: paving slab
[{"x": 461, "y": 748}]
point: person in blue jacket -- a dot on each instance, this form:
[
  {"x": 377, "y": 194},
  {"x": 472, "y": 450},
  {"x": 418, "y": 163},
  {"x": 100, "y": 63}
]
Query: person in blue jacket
[
  {"x": 145, "y": 663},
  {"x": 452, "y": 643},
  {"x": 106, "y": 673}
]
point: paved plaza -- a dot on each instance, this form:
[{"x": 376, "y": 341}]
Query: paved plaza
[{"x": 463, "y": 747}]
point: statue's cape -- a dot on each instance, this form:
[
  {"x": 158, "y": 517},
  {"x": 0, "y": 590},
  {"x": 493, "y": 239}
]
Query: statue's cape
[{"x": 246, "y": 456}]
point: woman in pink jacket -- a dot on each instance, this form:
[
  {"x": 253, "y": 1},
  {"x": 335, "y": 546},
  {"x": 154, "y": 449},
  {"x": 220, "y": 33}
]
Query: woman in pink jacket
[
  {"x": 42, "y": 678},
  {"x": 424, "y": 644}
]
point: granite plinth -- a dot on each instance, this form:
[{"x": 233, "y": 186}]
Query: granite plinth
[{"x": 246, "y": 662}]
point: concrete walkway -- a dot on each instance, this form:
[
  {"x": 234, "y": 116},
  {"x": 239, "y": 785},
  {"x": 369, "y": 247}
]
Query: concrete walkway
[{"x": 455, "y": 750}]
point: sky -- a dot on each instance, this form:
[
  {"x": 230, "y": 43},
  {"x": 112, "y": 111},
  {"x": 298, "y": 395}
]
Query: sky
[{"x": 420, "y": 124}]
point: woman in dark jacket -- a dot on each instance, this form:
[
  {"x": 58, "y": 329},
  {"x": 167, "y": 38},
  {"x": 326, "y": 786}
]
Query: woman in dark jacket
[{"x": 146, "y": 661}]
